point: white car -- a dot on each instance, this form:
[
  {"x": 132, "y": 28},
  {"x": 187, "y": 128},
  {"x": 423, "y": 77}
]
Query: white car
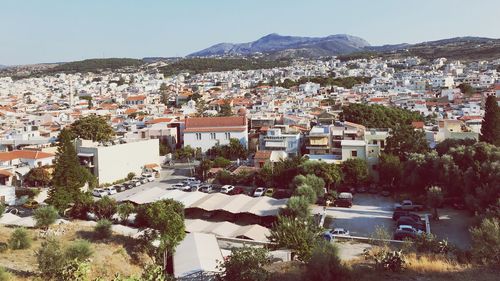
[
  {"x": 259, "y": 192},
  {"x": 340, "y": 232},
  {"x": 226, "y": 188},
  {"x": 409, "y": 228},
  {"x": 190, "y": 181},
  {"x": 99, "y": 192},
  {"x": 110, "y": 190},
  {"x": 181, "y": 186}
]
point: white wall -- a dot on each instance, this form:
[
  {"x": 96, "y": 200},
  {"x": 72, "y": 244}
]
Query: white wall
[{"x": 206, "y": 142}]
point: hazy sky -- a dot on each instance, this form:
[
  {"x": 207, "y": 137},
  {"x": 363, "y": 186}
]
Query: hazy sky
[{"x": 34, "y": 31}]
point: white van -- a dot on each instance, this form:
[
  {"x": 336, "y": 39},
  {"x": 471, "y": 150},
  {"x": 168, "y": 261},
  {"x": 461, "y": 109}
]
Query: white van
[{"x": 226, "y": 188}]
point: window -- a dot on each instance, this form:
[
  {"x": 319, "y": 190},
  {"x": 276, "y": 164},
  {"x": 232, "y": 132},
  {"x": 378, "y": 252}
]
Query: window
[
  {"x": 382, "y": 143},
  {"x": 198, "y": 136},
  {"x": 374, "y": 167},
  {"x": 228, "y": 136},
  {"x": 212, "y": 136},
  {"x": 354, "y": 153}
]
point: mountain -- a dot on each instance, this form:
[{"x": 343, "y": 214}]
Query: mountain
[{"x": 276, "y": 44}]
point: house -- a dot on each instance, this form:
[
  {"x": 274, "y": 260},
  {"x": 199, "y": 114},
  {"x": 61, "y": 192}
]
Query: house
[
  {"x": 263, "y": 156},
  {"x": 31, "y": 158},
  {"x": 283, "y": 139},
  {"x": 135, "y": 100},
  {"x": 110, "y": 162},
  {"x": 206, "y": 132}
]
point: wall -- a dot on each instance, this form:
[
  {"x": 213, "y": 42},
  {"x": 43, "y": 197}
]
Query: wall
[{"x": 207, "y": 142}]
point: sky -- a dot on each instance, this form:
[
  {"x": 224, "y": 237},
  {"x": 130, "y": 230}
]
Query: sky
[{"x": 43, "y": 31}]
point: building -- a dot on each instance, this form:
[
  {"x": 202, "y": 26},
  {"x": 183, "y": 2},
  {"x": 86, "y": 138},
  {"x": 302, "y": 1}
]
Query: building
[
  {"x": 207, "y": 132},
  {"x": 110, "y": 162},
  {"x": 281, "y": 138}
]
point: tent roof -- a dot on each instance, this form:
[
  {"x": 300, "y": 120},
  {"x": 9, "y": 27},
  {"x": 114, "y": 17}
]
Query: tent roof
[{"x": 198, "y": 252}]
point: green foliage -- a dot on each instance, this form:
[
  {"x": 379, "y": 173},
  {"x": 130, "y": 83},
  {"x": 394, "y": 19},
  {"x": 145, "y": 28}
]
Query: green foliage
[
  {"x": 355, "y": 171},
  {"x": 234, "y": 150},
  {"x": 76, "y": 270},
  {"x": 92, "y": 127},
  {"x": 311, "y": 180},
  {"x": 245, "y": 264},
  {"x": 434, "y": 199},
  {"x": 226, "y": 109},
  {"x": 45, "y": 216},
  {"x": 203, "y": 168},
  {"x": 50, "y": 258},
  {"x": 390, "y": 169},
  {"x": 4, "y": 275},
  {"x": 345, "y": 82},
  {"x": 307, "y": 192},
  {"x": 428, "y": 243},
  {"x": 224, "y": 177},
  {"x": 79, "y": 250},
  {"x": 2, "y": 209},
  {"x": 330, "y": 173},
  {"x": 486, "y": 241},
  {"x": 325, "y": 264},
  {"x": 466, "y": 89},
  {"x": 445, "y": 146},
  {"x": 202, "y": 65},
  {"x": 19, "y": 239},
  {"x": 297, "y": 207},
  {"x": 3, "y": 247},
  {"x": 83, "y": 204},
  {"x": 95, "y": 65},
  {"x": 490, "y": 127},
  {"x": 103, "y": 229},
  {"x": 379, "y": 116},
  {"x": 221, "y": 162},
  {"x": 387, "y": 259},
  {"x": 69, "y": 177},
  {"x": 38, "y": 176},
  {"x": 104, "y": 208},
  {"x": 405, "y": 140},
  {"x": 124, "y": 210},
  {"x": 296, "y": 234},
  {"x": 184, "y": 153},
  {"x": 130, "y": 175}
]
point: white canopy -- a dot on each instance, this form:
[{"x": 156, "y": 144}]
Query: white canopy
[
  {"x": 226, "y": 229},
  {"x": 197, "y": 253}
]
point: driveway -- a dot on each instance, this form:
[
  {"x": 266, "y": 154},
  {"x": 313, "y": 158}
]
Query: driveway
[
  {"x": 368, "y": 211},
  {"x": 453, "y": 225}
]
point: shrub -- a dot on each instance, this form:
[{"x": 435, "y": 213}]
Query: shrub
[
  {"x": 80, "y": 250},
  {"x": 105, "y": 208},
  {"x": 297, "y": 207},
  {"x": 428, "y": 243},
  {"x": 246, "y": 264},
  {"x": 307, "y": 192},
  {"x": 75, "y": 270},
  {"x": 50, "y": 258},
  {"x": 130, "y": 175},
  {"x": 2, "y": 209},
  {"x": 4, "y": 275},
  {"x": 45, "y": 216},
  {"x": 124, "y": 210},
  {"x": 325, "y": 264},
  {"x": 221, "y": 162},
  {"x": 386, "y": 259},
  {"x": 486, "y": 241},
  {"x": 19, "y": 239},
  {"x": 3, "y": 247},
  {"x": 103, "y": 229}
]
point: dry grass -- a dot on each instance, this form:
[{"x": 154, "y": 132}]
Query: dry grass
[
  {"x": 434, "y": 264},
  {"x": 110, "y": 256}
]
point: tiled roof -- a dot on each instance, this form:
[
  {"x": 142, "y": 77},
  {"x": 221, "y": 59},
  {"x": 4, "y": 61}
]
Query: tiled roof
[
  {"x": 136, "y": 98},
  {"x": 210, "y": 122},
  {"x": 24, "y": 154},
  {"x": 262, "y": 154}
]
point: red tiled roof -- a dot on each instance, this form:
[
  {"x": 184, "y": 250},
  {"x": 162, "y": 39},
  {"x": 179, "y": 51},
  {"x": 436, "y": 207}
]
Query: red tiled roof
[
  {"x": 159, "y": 120},
  {"x": 136, "y": 98},
  {"x": 211, "y": 122},
  {"x": 262, "y": 154},
  {"x": 417, "y": 124},
  {"x": 24, "y": 154}
]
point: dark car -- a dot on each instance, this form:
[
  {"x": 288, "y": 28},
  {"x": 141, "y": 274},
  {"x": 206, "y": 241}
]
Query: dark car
[
  {"x": 409, "y": 221},
  {"x": 402, "y": 235},
  {"x": 397, "y": 214},
  {"x": 344, "y": 200},
  {"x": 237, "y": 190}
]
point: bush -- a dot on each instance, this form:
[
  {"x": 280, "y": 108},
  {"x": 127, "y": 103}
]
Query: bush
[
  {"x": 50, "y": 258},
  {"x": 307, "y": 192},
  {"x": 104, "y": 208},
  {"x": 4, "y": 274},
  {"x": 325, "y": 264},
  {"x": 75, "y": 270},
  {"x": 130, "y": 176},
  {"x": 221, "y": 162},
  {"x": 45, "y": 216},
  {"x": 386, "y": 259},
  {"x": 2, "y": 209},
  {"x": 3, "y": 247},
  {"x": 486, "y": 241},
  {"x": 124, "y": 210},
  {"x": 19, "y": 239},
  {"x": 80, "y": 250},
  {"x": 246, "y": 264},
  {"x": 103, "y": 229}
]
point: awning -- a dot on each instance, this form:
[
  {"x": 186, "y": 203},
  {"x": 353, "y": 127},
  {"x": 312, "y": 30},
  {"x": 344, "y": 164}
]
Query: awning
[
  {"x": 6, "y": 173},
  {"x": 197, "y": 253},
  {"x": 86, "y": 154}
]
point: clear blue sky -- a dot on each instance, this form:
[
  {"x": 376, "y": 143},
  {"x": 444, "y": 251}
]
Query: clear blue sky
[{"x": 34, "y": 31}]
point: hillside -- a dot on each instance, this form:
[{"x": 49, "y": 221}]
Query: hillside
[{"x": 92, "y": 65}]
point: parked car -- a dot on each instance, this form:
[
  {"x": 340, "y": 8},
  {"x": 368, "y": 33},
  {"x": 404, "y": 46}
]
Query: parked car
[
  {"x": 99, "y": 192},
  {"x": 259, "y": 192},
  {"x": 191, "y": 180},
  {"x": 207, "y": 188},
  {"x": 411, "y": 222},
  {"x": 400, "y": 213},
  {"x": 143, "y": 180},
  {"x": 406, "y": 231},
  {"x": 150, "y": 177},
  {"x": 344, "y": 200},
  {"x": 226, "y": 188},
  {"x": 120, "y": 187},
  {"x": 340, "y": 232},
  {"x": 237, "y": 190},
  {"x": 181, "y": 186},
  {"x": 110, "y": 190},
  {"x": 408, "y": 205},
  {"x": 269, "y": 192},
  {"x": 195, "y": 187}
]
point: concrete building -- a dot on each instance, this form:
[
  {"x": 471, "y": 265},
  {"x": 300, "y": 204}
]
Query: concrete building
[{"x": 112, "y": 162}]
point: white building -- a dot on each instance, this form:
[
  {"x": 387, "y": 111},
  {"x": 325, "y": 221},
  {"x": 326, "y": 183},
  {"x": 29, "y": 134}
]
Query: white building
[
  {"x": 112, "y": 162},
  {"x": 206, "y": 132}
]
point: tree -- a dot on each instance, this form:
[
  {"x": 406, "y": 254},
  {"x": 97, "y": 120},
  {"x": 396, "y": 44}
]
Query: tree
[
  {"x": 235, "y": 150},
  {"x": 330, "y": 173},
  {"x": 45, "y": 216},
  {"x": 38, "y": 176},
  {"x": 130, "y": 175},
  {"x": 124, "y": 210},
  {"x": 103, "y": 229},
  {"x": 50, "y": 258},
  {"x": 307, "y": 192},
  {"x": 435, "y": 199},
  {"x": 466, "y": 88},
  {"x": 325, "y": 264},
  {"x": 19, "y": 239},
  {"x": 225, "y": 109},
  {"x": 296, "y": 234},
  {"x": 390, "y": 169},
  {"x": 2, "y": 209},
  {"x": 166, "y": 218},
  {"x": 311, "y": 180},
  {"x": 82, "y": 206},
  {"x": 297, "y": 207},
  {"x": 355, "y": 171},
  {"x": 104, "y": 208},
  {"x": 186, "y": 152},
  {"x": 92, "y": 127},
  {"x": 79, "y": 250},
  {"x": 69, "y": 177},
  {"x": 406, "y": 140},
  {"x": 203, "y": 168},
  {"x": 245, "y": 264},
  {"x": 221, "y": 162},
  {"x": 486, "y": 241},
  {"x": 490, "y": 127}
]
